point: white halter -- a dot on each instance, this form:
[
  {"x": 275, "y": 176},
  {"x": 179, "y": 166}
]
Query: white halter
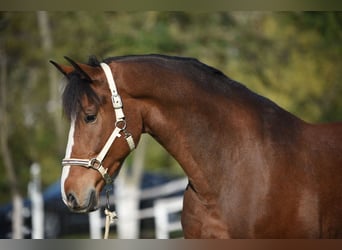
[{"x": 120, "y": 126}]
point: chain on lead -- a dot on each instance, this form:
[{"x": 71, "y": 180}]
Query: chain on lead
[
  {"x": 107, "y": 198},
  {"x": 112, "y": 214}
]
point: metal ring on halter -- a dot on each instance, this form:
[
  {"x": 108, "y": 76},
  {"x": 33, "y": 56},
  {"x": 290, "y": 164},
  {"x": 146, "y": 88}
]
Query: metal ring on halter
[
  {"x": 95, "y": 163},
  {"x": 121, "y": 124}
]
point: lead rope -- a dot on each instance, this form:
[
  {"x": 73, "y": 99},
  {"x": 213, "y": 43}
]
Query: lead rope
[{"x": 110, "y": 216}]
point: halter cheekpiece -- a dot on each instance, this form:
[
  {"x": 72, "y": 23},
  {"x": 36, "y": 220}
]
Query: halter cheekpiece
[{"x": 120, "y": 126}]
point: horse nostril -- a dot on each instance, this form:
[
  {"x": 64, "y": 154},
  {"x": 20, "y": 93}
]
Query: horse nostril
[{"x": 72, "y": 200}]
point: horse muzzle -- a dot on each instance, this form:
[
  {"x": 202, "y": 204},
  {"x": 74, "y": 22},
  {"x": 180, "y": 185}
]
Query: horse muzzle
[{"x": 87, "y": 204}]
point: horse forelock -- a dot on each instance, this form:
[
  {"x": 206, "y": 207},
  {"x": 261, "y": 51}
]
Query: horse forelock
[{"x": 74, "y": 91}]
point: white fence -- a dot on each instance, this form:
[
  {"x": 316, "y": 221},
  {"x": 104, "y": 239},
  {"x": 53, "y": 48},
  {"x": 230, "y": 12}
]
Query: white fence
[
  {"x": 162, "y": 209},
  {"x": 37, "y": 209},
  {"x": 128, "y": 217},
  {"x": 159, "y": 211}
]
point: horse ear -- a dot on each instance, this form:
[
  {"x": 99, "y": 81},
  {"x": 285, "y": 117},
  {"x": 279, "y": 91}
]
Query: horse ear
[
  {"x": 63, "y": 68},
  {"x": 88, "y": 72},
  {"x": 78, "y": 68}
]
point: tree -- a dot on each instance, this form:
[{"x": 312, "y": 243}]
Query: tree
[
  {"x": 54, "y": 105},
  {"x": 6, "y": 152}
]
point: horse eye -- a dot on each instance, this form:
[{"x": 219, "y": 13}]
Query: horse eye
[{"x": 90, "y": 118}]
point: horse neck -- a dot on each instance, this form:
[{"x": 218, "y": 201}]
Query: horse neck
[{"x": 193, "y": 126}]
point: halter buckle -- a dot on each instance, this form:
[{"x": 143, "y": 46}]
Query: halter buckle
[
  {"x": 117, "y": 102},
  {"x": 95, "y": 163}
]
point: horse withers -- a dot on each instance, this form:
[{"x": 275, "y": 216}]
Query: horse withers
[{"x": 254, "y": 169}]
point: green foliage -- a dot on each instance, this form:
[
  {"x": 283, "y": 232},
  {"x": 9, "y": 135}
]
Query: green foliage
[{"x": 292, "y": 58}]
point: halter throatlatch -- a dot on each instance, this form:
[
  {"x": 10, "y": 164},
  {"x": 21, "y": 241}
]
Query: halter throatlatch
[{"x": 120, "y": 126}]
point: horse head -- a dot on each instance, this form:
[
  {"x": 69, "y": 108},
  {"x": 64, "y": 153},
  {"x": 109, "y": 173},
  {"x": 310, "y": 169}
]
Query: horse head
[{"x": 101, "y": 135}]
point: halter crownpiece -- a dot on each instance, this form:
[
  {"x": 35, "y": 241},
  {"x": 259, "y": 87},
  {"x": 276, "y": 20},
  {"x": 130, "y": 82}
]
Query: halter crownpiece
[{"x": 120, "y": 126}]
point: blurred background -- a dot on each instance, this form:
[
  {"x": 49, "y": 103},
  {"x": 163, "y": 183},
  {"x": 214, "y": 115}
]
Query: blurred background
[{"x": 293, "y": 58}]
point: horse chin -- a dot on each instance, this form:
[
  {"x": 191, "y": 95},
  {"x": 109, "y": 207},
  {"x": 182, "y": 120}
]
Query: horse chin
[{"x": 83, "y": 210}]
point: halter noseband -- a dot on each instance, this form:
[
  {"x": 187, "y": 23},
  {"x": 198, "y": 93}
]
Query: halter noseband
[{"x": 120, "y": 126}]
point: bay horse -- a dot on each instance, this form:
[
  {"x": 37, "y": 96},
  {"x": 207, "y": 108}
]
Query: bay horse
[{"x": 254, "y": 169}]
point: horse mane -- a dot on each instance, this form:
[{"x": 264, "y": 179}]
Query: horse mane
[
  {"x": 191, "y": 61},
  {"x": 202, "y": 74},
  {"x": 76, "y": 88}
]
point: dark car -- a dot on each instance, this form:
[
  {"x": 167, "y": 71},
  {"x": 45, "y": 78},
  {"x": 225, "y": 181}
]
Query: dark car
[{"x": 59, "y": 221}]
